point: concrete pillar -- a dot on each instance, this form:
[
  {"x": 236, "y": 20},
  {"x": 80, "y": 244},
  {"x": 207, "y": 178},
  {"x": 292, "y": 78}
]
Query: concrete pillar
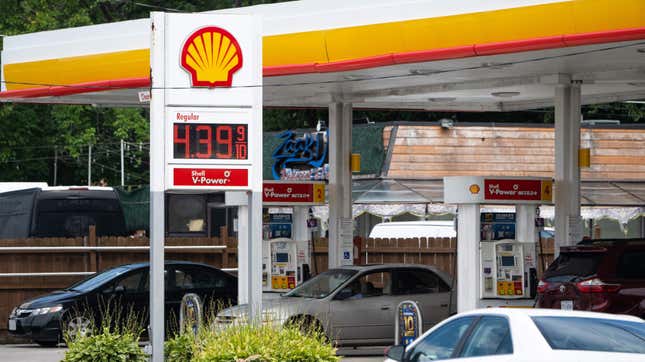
[
  {"x": 568, "y": 223},
  {"x": 468, "y": 270},
  {"x": 299, "y": 229},
  {"x": 525, "y": 230},
  {"x": 340, "y": 185},
  {"x": 242, "y": 252}
]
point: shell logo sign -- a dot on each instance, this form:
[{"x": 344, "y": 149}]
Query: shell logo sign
[{"x": 211, "y": 55}]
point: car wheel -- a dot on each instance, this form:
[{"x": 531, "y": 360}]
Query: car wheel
[
  {"x": 77, "y": 326},
  {"x": 307, "y": 325},
  {"x": 47, "y": 343}
]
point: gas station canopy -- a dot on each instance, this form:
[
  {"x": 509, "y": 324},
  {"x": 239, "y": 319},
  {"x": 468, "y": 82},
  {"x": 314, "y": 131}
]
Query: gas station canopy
[{"x": 467, "y": 55}]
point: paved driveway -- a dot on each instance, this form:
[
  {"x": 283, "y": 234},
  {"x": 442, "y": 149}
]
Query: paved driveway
[{"x": 35, "y": 353}]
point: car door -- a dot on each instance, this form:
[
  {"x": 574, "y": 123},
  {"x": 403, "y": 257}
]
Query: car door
[
  {"x": 216, "y": 289},
  {"x": 125, "y": 295},
  {"x": 425, "y": 288},
  {"x": 362, "y": 312}
]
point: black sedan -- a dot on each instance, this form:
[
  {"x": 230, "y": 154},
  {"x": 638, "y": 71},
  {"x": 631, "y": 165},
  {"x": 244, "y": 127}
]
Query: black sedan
[{"x": 80, "y": 307}]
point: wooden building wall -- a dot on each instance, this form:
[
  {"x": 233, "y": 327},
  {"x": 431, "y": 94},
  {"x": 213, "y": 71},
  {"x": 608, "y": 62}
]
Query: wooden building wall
[{"x": 433, "y": 152}]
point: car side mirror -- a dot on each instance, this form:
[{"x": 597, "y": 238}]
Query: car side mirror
[
  {"x": 396, "y": 353},
  {"x": 344, "y": 293},
  {"x": 119, "y": 289}
]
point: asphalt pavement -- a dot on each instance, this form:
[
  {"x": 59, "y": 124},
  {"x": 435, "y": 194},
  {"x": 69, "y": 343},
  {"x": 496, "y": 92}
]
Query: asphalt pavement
[{"x": 35, "y": 353}]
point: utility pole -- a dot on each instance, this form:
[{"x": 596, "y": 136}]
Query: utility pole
[
  {"x": 122, "y": 166},
  {"x": 89, "y": 165}
]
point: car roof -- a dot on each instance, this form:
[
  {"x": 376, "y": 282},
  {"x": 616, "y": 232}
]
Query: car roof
[
  {"x": 167, "y": 262},
  {"x": 543, "y": 312},
  {"x": 370, "y": 267}
]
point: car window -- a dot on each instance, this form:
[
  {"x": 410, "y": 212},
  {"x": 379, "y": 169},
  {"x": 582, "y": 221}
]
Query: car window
[
  {"x": 197, "y": 278},
  {"x": 441, "y": 343},
  {"x": 322, "y": 284},
  {"x": 371, "y": 285},
  {"x": 417, "y": 281},
  {"x": 592, "y": 334},
  {"x": 631, "y": 265},
  {"x": 183, "y": 279},
  {"x": 571, "y": 266},
  {"x": 146, "y": 281},
  {"x": 490, "y": 336},
  {"x": 98, "y": 279},
  {"x": 131, "y": 283}
]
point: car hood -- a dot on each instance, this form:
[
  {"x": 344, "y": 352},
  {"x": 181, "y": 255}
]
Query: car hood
[
  {"x": 47, "y": 300},
  {"x": 279, "y": 308}
]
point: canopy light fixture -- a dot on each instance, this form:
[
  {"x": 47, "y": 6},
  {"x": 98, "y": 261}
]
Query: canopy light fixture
[
  {"x": 423, "y": 71},
  {"x": 493, "y": 65},
  {"x": 505, "y": 94},
  {"x": 442, "y": 99},
  {"x": 353, "y": 77}
]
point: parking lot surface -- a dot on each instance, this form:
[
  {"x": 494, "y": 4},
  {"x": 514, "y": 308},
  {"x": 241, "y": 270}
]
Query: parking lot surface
[{"x": 35, "y": 353}]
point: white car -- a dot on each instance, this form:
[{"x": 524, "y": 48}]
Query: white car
[{"x": 508, "y": 334}]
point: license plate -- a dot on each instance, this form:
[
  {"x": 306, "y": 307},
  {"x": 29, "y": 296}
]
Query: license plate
[
  {"x": 12, "y": 324},
  {"x": 566, "y": 305}
]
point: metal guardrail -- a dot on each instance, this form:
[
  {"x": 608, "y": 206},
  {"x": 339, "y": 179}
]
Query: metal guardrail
[{"x": 85, "y": 249}]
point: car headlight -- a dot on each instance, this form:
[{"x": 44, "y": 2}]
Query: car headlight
[{"x": 46, "y": 310}]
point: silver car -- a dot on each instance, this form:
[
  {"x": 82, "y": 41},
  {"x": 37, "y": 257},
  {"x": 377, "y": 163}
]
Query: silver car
[{"x": 356, "y": 305}]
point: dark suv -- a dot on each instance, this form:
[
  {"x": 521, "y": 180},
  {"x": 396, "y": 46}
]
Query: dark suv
[{"x": 597, "y": 275}]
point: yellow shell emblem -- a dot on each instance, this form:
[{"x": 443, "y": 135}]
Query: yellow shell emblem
[{"x": 211, "y": 55}]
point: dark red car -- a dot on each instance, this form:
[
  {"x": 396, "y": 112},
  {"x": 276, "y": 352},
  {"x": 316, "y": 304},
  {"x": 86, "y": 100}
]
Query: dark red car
[{"x": 599, "y": 275}]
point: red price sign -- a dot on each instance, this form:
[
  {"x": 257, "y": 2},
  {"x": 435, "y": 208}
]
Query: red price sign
[{"x": 210, "y": 141}]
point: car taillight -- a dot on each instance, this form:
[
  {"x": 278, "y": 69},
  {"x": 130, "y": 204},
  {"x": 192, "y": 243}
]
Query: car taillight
[
  {"x": 542, "y": 285},
  {"x": 596, "y": 285}
]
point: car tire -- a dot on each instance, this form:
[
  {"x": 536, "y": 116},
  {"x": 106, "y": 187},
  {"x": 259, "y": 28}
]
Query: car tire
[
  {"x": 307, "y": 324},
  {"x": 74, "y": 326},
  {"x": 47, "y": 343}
]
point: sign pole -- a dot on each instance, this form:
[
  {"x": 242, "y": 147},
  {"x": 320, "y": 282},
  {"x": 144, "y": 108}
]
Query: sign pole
[{"x": 157, "y": 185}]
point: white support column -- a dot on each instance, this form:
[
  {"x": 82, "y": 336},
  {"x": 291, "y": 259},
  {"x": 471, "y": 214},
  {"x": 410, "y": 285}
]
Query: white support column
[
  {"x": 254, "y": 256},
  {"x": 157, "y": 187},
  {"x": 525, "y": 230},
  {"x": 300, "y": 216},
  {"x": 468, "y": 270},
  {"x": 243, "y": 253},
  {"x": 340, "y": 184},
  {"x": 568, "y": 225}
]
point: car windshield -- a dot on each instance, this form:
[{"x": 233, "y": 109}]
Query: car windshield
[
  {"x": 592, "y": 334},
  {"x": 569, "y": 267},
  {"x": 322, "y": 284},
  {"x": 98, "y": 279}
]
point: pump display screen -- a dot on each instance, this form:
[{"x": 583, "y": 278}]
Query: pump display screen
[
  {"x": 508, "y": 261},
  {"x": 210, "y": 141},
  {"x": 281, "y": 258}
]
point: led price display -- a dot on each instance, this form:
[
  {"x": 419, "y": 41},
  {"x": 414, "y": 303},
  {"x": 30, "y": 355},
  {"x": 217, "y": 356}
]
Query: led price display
[{"x": 210, "y": 141}]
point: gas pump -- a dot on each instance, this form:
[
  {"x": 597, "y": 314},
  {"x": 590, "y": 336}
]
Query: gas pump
[
  {"x": 285, "y": 261},
  {"x": 508, "y": 269},
  {"x": 285, "y": 264}
]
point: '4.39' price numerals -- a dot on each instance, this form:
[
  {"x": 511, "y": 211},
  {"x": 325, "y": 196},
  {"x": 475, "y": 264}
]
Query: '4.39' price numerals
[{"x": 210, "y": 141}]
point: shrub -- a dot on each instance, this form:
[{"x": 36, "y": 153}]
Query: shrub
[
  {"x": 107, "y": 346},
  {"x": 180, "y": 348},
  {"x": 263, "y": 343},
  {"x": 115, "y": 340}
]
